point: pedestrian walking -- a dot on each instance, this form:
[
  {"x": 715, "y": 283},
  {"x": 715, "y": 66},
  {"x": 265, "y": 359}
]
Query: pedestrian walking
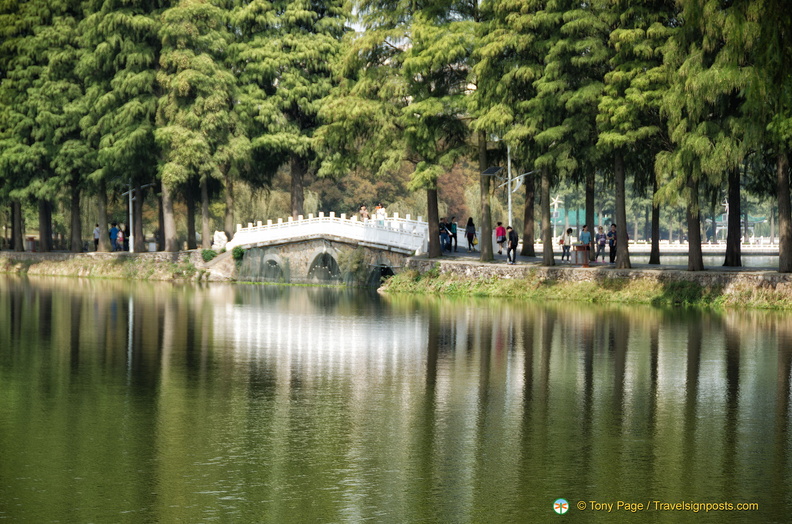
[
  {"x": 500, "y": 237},
  {"x": 96, "y": 234},
  {"x": 566, "y": 245},
  {"x": 452, "y": 230},
  {"x": 470, "y": 234},
  {"x": 585, "y": 238},
  {"x": 601, "y": 239},
  {"x": 612, "y": 243},
  {"x": 114, "y": 237},
  {"x": 445, "y": 239},
  {"x": 511, "y": 246}
]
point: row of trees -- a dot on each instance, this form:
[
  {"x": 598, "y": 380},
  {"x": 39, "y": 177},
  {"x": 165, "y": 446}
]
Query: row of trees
[
  {"x": 99, "y": 95},
  {"x": 686, "y": 97}
]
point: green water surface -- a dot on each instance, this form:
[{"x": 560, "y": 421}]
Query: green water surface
[{"x": 139, "y": 402}]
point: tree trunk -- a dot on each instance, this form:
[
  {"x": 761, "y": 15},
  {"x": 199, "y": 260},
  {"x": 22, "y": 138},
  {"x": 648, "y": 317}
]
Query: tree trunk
[
  {"x": 101, "y": 204},
  {"x": 45, "y": 225},
  {"x": 529, "y": 225},
  {"x": 17, "y": 226},
  {"x": 168, "y": 221},
  {"x": 733, "y": 244},
  {"x": 784, "y": 214},
  {"x": 695, "y": 260},
  {"x": 297, "y": 188},
  {"x": 654, "y": 253},
  {"x": 161, "y": 229},
  {"x": 485, "y": 242},
  {"x": 139, "y": 245},
  {"x": 548, "y": 258},
  {"x": 622, "y": 246},
  {"x": 206, "y": 235},
  {"x": 228, "y": 221},
  {"x": 592, "y": 253},
  {"x": 189, "y": 195},
  {"x": 76, "y": 221},
  {"x": 435, "y": 250}
]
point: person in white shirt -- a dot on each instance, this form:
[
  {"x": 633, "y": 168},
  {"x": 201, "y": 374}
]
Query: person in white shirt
[
  {"x": 96, "y": 237},
  {"x": 381, "y": 214}
]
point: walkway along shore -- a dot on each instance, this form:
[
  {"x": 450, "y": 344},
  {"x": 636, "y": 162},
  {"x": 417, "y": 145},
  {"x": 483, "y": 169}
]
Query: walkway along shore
[{"x": 461, "y": 274}]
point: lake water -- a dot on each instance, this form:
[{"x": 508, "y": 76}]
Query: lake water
[{"x": 143, "y": 402}]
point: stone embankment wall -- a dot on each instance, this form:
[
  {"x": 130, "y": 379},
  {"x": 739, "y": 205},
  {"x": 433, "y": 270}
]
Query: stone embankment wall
[
  {"x": 149, "y": 266},
  {"x": 662, "y": 286},
  {"x": 711, "y": 278}
]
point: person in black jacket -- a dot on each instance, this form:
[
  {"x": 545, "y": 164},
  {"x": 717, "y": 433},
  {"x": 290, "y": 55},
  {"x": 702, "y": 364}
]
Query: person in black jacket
[
  {"x": 511, "y": 249},
  {"x": 470, "y": 234}
]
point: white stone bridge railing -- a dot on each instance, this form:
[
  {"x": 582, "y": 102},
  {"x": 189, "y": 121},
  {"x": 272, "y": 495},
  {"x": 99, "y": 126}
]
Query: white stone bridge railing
[{"x": 393, "y": 233}]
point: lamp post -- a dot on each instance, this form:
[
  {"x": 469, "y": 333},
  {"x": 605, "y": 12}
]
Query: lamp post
[{"x": 132, "y": 214}]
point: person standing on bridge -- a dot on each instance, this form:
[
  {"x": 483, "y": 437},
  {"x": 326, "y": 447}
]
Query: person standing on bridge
[
  {"x": 364, "y": 214},
  {"x": 381, "y": 214}
]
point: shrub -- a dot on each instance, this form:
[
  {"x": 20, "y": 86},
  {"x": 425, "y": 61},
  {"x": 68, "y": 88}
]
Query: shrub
[
  {"x": 238, "y": 253},
  {"x": 208, "y": 254}
]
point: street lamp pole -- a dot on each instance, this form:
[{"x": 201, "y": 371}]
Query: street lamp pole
[
  {"x": 132, "y": 198},
  {"x": 131, "y": 218}
]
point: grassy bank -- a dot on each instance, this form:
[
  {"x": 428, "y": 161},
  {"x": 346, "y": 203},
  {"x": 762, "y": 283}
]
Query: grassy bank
[
  {"x": 108, "y": 266},
  {"x": 610, "y": 290}
]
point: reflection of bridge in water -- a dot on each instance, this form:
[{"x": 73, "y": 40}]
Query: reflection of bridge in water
[{"x": 328, "y": 248}]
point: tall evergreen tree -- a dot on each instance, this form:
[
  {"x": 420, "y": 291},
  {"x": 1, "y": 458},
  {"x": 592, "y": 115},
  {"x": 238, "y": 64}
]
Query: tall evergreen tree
[
  {"x": 704, "y": 104},
  {"x": 403, "y": 98},
  {"x": 23, "y": 58},
  {"x": 577, "y": 64},
  {"x": 769, "y": 100},
  {"x": 557, "y": 53},
  {"x": 631, "y": 127},
  {"x": 506, "y": 67},
  {"x": 61, "y": 105},
  {"x": 43, "y": 152},
  {"x": 437, "y": 70},
  {"x": 512, "y": 95},
  {"x": 286, "y": 49},
  {"x": 198, "y": 128},
  {"x": 119, "y": 65}
]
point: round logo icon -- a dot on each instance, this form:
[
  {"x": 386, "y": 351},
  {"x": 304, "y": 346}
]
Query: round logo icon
[{"x": 561, "y": 506}]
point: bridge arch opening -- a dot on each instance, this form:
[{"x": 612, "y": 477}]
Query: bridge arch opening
[
  {"x": 324, "y": 268},
  {"x": 378, "y": 274},
  {"x": 271, "y": 271},
  {"x": 258, "y": 265}
]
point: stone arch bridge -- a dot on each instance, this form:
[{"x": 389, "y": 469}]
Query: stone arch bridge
[{"x": 324, "y": 249}]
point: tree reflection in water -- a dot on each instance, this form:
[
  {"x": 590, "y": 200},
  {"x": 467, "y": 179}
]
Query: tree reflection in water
[{"x": 266, "y": 403}]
